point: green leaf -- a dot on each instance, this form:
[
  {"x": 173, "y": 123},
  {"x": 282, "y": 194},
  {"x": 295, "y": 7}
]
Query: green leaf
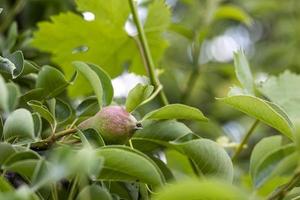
[
  {"x": 271, "y": 185},
  {"x": 51, "y": 80},
  {"x": 18, "y": 60},
  {"x": 94, "y": 138},
  {"x": 37, "y": 120},
  {"x": 51, "y": 103},
  {"x": 4, "y": 95},
  {"x": 268, "y": 165},
  {"x": 243, "y": 71},
  {"x": 209, "y": 157},
  {"x": 88, "y": 107},
  {"x": 179, "y": 164},
  {"x": 235, "y": 91},
  {"x": 14, "y": 94},
  {"x": 19, "y": 156},
  {"x": 197, "y": 189},
  {"x": 21, "y": 193},
  {"x": 63, "y": 111},
  {"x": 30, "y": 67},
  {"x": 92, "y": 78},
  {"x": 286, "y": 167},
  {"x": 164, "y": 169},
  {"x": 5, "y": 186},
  {"x": 44, "y": 112},
  {"x": 176, "y": 111},
  {"x": 14, "y": 64},
  {"x": 232, "y": 12},
  {"x": 6, "y": 66},
  {"x": 261, "y": 149},
  {"x": 83, "y": 139},
  {"x": 12, "y": 36},
  {"x": 119, "y": 190},
  {"x": 1, "y": 127},
  {"x": 143, "y": 191},
  {"x": 67, "y": 162},
  {"x": 125, "y": 164},
  {"x": 88, "y": 162},
  {"x": 102, "y": 41},
  {"x": 10, "y": 94},
  {"x": 154, "y": 132},
  {"x": 34, "y": 94},
  {"x": 92, "y": 192},
  {"x": 108, "y": 90},
  {"x": 137, "y": 95},
  {"x": 18, "y": 126},
  {"x": 283, "y": 90},
  {"x": 24, "y": 167},
  {"x": 271, "y": 159},
  {"x": 262, "y": 110},
  {"x": 6, "y": 150},
  {"x": 182, "y": 30}
]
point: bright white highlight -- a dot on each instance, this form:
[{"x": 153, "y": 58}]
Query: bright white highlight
[
  {"x": 88, "y": 16},
  {"x": 125, "y": 82}
]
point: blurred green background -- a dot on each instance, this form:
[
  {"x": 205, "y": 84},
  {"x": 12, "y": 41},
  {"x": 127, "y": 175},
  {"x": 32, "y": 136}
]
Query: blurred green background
[{"x": 197, "y": 64}]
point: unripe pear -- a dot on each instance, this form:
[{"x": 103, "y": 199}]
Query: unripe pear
[{"x": 114, "y": 123}]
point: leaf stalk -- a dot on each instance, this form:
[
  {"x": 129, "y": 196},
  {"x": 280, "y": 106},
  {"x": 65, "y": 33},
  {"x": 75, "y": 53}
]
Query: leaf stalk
[{"x": 245, "y": 140}]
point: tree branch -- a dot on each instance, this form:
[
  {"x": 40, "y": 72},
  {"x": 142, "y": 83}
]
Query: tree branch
[{"x": 46, "y": 143}]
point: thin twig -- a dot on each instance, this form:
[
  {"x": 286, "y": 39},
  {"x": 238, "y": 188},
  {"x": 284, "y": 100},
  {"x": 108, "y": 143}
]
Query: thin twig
[
  {"x": 190, "y": 85},
  {"x": 46, "y": 143},
  {"x": 245, "y": 140},
  {"x": 145, "y": 52},
  {"x": 64, "y": 133}
]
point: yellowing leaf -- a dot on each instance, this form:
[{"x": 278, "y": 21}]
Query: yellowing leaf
[{"x": 234, "y": 13}]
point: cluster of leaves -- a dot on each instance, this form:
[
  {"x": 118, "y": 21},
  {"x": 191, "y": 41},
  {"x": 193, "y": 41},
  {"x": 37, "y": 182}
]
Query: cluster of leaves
[
  {"x": 82, "y": 164},
  {"x": 43, "y": 155}
]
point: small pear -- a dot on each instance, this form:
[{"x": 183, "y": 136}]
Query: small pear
[{"x": 114, "y": 123}]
